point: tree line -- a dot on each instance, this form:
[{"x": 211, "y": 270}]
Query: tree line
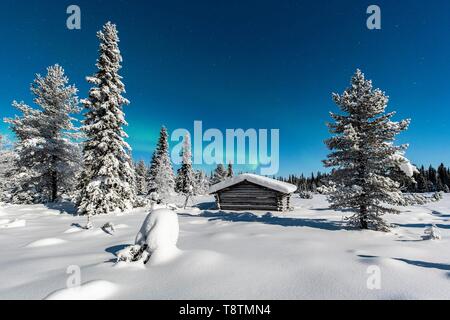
[{"x": 425, "y": 180}]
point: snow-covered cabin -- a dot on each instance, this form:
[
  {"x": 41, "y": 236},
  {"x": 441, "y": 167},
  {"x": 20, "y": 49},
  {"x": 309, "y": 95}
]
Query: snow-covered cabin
[{"x": 252, "y": 192}]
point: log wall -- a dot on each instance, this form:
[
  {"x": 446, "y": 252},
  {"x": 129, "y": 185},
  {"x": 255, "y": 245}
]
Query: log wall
[{"x": 249, "y": 196}]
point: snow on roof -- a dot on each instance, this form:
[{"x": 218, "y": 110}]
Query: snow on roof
[{"x": 253, "y": 178}]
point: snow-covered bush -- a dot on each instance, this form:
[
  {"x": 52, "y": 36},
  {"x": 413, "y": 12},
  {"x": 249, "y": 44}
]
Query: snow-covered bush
[
  {"x": 412, "y": 199},
  {"x": 142, "y": 201},
  {"x": 108, "y": 228},
  {"x": 446, "y": 189},
  {"x": 432, "y": 233},
  {"x": 305, "y": 195},
  {"x": 327, "y": 188},
  {"x": 157, "y": 238},
  {"x": 133, "y": 254},
  {"x": 415, "y": 199},
  {"x": 437, "y": 196}
]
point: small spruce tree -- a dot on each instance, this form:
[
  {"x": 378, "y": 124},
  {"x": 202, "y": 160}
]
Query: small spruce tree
[
  {"x": 161, "y": 178},
  {"x": 230, "y": 172},
  {"x": 219, "y": 174}
]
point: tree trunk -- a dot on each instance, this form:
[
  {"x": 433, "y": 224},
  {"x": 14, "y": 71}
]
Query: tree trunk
[
  {"x": 186, "y": 202},
  {"x": 363, "y": 217},
  {"x": 54, "y": 186},
  {"x": 54, "y": 181}
]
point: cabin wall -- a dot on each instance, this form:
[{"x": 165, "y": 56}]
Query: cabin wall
[{"x": 249, "y": 196}]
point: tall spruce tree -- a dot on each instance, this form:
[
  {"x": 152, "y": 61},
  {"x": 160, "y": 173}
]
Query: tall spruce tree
[
  {"x": 363, "y": 155},
  {"x": 161, "y": 178},
  {"x": 47, "y": 155},
  {"x": 185, "y": 181},
  {"x": 108, "y": 177}
]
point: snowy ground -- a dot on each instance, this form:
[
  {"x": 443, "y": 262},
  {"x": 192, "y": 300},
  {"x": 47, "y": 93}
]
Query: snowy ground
[{"x": 304, "y": 254}]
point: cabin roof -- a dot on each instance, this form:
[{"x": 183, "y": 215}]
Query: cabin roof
[{"x": 273, "y": 184}]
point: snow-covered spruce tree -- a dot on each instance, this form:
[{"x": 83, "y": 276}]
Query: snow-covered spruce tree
[
  {"x": 23, "y": 178},
  {"x": 363, "y": 155},
  {"x": 48, "y": 157},
  {"x": 161, "y": 178},
  {"x": 444, "y": 175},
  {"x": 219, "y": 174},
  {"x": 141, "y": 177},
  {"x": 201, "y": 183},
  {"x": 6, "y": 168},
  {"x": 108, "y": 181},
  {"x": 185, "y": 181},
  {"x": 230, "y": 172},
  {"x": 151, "y": 174}
]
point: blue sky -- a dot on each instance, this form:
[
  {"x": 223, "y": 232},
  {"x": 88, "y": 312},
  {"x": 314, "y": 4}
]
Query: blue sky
[{"x": 245, "y": 64}]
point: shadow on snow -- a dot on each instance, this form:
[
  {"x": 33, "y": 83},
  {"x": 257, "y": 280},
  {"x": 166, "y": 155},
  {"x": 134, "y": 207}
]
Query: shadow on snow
[
  {"x": 417, "y": 263},
  {"x": 422, "y": 225},
  {"x": 440, "y": 214},
  {"x": 63, "y": 207},
  {"x": 268, "y": 218}
]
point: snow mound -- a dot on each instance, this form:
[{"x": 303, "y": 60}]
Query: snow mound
[
  {"x": 223, "y": 236},
  {"x": 73, "y": 230},
  {"x": 7, "y": 224},
  {"x": 46, "y": 242},
  {"x": 157, "y": 206},
  {"x": 159, "y": 231},
  {"x": 432, "y": 233},
  {"x": 156, "y": 241},
  {"x": 200, "y": 262},
  {"x": 259, "y": 180},
  {"x": 195, "y": 211},
  {"x": 198, "y": 222},
  {"x": 121, "y": 226},
  {"x": 162, "y": 256},
  {"x": 94, "y": 290}
]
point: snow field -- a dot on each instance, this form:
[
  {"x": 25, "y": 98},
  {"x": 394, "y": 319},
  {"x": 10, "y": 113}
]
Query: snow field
[{"x": 304, "y": 254}]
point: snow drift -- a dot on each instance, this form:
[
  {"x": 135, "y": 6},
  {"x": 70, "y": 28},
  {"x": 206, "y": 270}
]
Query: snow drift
[
  {"x": 94, "y": 290},
  {"x": 156, "y": 240}
]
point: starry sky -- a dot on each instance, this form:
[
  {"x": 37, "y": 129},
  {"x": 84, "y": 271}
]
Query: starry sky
[{"x": 244, "y": 64}]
